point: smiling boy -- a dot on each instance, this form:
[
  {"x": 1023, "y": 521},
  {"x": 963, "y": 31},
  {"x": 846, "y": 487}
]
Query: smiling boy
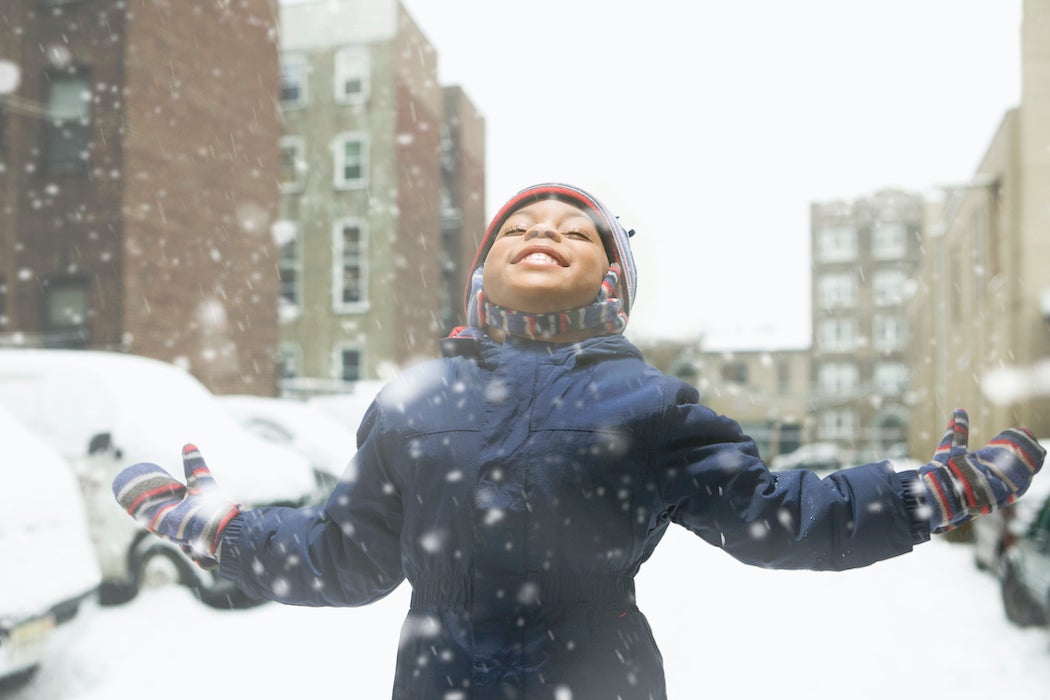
[{"x": 520, "y": 482}]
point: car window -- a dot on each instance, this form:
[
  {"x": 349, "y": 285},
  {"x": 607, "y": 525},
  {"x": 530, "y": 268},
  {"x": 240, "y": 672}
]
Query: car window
[{"x": 269, "y": 430}]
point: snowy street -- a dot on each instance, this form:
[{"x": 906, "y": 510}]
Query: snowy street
[{"x": 926, "y": 625}]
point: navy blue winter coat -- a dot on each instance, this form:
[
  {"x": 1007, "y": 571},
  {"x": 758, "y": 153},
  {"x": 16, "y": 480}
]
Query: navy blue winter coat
[{"x": 519, "y": 487}]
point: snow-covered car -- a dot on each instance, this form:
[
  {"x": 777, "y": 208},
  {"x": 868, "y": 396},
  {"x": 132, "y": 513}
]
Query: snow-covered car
[
  {"x": 814, "y": 455},
  {"x": 1025, "y": 579},
  {"x": 315, "y": 434},
  {"x": 50, "y": 576},
  {"x": 104, "y": 411},
  {"x": 995, "y": 532}
]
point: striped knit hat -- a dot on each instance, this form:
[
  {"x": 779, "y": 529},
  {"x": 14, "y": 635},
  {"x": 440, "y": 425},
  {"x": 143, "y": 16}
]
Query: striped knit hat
[{"x": 614, "y": 235}]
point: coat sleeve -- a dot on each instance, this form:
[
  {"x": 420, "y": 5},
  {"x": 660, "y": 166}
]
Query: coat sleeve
[
  {"x": 714, "y": 483},
  {"x": 344, "y": 553}
]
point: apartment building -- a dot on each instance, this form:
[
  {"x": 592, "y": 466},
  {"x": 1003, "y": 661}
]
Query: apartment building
[
  {"x": 982, "y": 311},
  {"x": 138, "y": 171},
  {"x": 865, "y": 254},
  {"x": 766, "y": 390},
  {"x": 382, "y": 189}
]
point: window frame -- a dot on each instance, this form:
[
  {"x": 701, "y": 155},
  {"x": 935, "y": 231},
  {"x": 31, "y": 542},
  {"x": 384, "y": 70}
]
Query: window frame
[
  {"x": 300, "y": 61},
  {"x": 339, "y": 266},
  {"x": 895, "y": 280},
  {"x": 837, "y": 243},
  {"x": 54, "y": 125},
  {"x": 832, "y": 378},
  {"x": 338, "y": 360},
  {"x": 339, "y": 160},
  {"x": 293, "y": 264},
  {"x": 349, "y": 62},
  {"x": 890, "y": 378},
  {"x": 838, "y": 334},
  {"x": 894, "y": 248},
  {"x": 76, "y": 333},
  {"x": 297, "y": 144},
  {"x": 838, "y": 281},
  {"x": 838, "y": 424},
  {"x": 885, "y": 341}
]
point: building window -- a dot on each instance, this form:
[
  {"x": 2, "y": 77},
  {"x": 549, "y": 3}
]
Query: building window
[
  {"x": 890, "y": 377},
  {"x": 352, "y": 75},
  {"x": 293, "y": 80},
  {"x": 888, "y": 287},
  {"x": 839, "y": 378},
  {"x": 837, "y": 244},
  {"x": 350, "y": 247},
  {"x": 293, "y": 164},
  {"x": 67, "y": 125},
  {"x": 837, "y": 291},
  {"x": 838, "y": 335},
  {"x": 351, "y": 161},
  {"x": 838, "y": 424},
  {"x": 289, "y": 361},
  {"x": 890, "y": 333},
  {"x": 735, "y": 372},
  {"x": 289, "y": 268},
  {"x": 889, "y": 241},
  {"x": 65, "y": 324},
  {"x": 349, "y": 361}
]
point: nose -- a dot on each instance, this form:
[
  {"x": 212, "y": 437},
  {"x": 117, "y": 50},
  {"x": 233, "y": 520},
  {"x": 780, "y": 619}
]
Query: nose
[{"x": 541, "y": 229}]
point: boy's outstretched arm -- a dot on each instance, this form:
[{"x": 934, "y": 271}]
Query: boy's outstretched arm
[
  {"x": 303, "y": 556},
  {"x": 958, "y": 484},
  {"x": 712, "y": 481}
]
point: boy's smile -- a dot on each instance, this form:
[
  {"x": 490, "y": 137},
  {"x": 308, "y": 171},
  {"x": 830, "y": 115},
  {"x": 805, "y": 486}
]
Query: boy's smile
[{"x": 548, "y": 256}]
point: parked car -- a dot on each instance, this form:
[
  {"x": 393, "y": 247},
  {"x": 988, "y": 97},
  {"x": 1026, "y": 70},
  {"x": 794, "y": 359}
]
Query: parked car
[
  {"x": 315, "y": 434},
  {"x": 994, "y": 533},
  {"x": 50, "y": 576},
  {"x": 814, "y": 455},
  {"x": 104, "y": 411},
  {"x": 1025, "y": 581}
]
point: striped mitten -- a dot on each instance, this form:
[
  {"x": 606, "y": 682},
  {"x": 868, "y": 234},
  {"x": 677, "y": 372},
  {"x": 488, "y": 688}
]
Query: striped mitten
[
  {"x": 192, "y": 516},
  {"x": 961, "y": 484}
]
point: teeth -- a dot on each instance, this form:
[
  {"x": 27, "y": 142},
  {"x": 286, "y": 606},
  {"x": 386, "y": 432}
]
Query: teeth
[{"x": 540, "y": 258}]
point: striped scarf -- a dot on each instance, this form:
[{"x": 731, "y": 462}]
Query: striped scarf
[{"x": 606, "y": 312}]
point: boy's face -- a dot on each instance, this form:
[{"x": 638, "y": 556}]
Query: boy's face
[{"x": 548, "y": 256}]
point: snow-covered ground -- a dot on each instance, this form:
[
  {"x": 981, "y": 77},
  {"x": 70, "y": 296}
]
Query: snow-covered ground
[{"x": 926, "y": 625}]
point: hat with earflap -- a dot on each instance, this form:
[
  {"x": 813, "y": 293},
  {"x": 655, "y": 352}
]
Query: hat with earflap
[{"x": 615, "y": 238}]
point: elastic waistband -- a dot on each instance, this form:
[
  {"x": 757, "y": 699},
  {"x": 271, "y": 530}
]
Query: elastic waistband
[{"x": 529, "y": 590}]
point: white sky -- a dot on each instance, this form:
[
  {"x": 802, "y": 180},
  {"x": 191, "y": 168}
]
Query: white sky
[{"x": 711, "y": 126}]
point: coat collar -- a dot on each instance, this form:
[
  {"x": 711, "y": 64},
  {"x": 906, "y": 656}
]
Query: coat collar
[{"x": 479, "y": 346}]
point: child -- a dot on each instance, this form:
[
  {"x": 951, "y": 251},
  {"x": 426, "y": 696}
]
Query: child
[{"x": 521, "y": 481}]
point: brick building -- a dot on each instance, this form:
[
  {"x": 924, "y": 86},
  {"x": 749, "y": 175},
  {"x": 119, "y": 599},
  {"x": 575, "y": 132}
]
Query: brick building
[{"x": 138, "y": 182}]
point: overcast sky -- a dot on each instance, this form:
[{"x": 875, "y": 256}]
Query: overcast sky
[{"x": 711, "y": 126}]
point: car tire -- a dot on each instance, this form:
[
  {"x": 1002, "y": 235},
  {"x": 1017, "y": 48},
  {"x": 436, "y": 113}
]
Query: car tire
[
  {"x": 169, "y": 566},
  {"x": 1017, "y": 602},
  {"x": 114, "y": 593}
]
